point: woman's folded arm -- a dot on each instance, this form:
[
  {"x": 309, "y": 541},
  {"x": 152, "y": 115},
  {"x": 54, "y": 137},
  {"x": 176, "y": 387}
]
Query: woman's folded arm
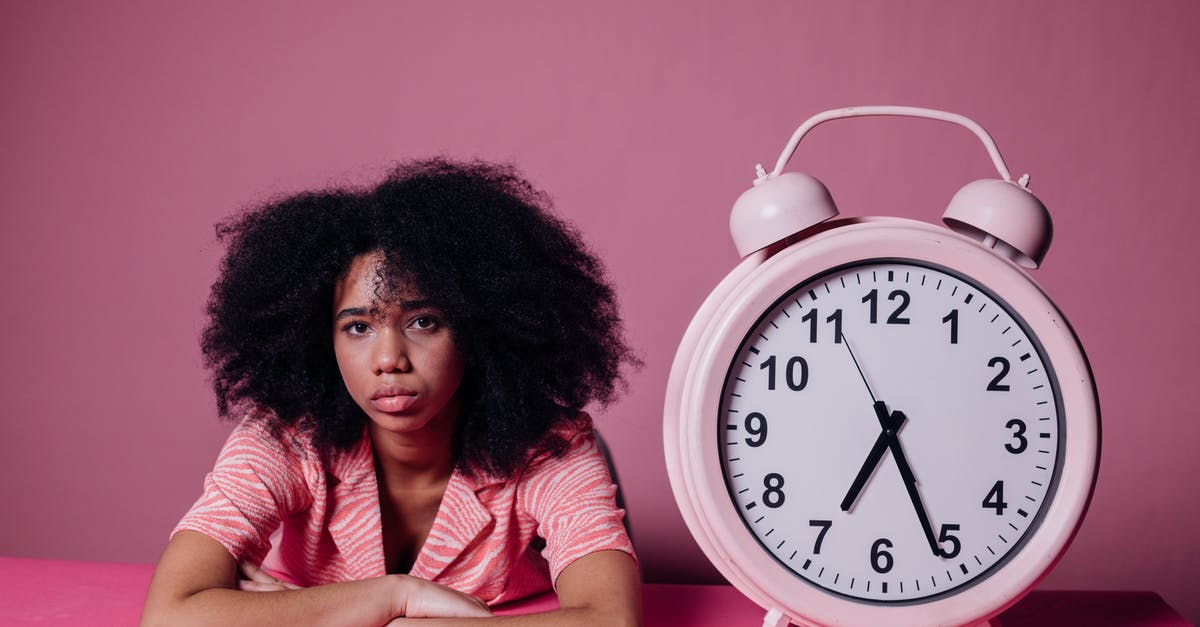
[{"x": 195, "y": 583}]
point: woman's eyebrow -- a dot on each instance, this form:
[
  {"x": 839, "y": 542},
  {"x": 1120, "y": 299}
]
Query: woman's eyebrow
[
  {"x": 350, "y": 312},
  {"x": 405, "y": 305}
]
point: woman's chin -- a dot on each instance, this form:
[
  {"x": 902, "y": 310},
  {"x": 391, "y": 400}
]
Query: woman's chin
[{"x": 398, "y": 422}]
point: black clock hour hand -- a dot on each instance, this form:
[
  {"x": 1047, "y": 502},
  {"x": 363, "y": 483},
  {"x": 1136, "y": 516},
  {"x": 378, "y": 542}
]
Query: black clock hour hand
[
  {"x": 889, "y": 424},
  {"x": 910, "y": 485},
  {"x": 877, "y": 451}
]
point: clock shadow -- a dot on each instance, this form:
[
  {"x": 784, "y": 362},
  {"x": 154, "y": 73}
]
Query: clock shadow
[{"x": 714, "y": 605}]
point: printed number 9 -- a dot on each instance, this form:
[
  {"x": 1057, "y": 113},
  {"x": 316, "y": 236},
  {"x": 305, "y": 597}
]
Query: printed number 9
[{"x": 756, "y": 426}]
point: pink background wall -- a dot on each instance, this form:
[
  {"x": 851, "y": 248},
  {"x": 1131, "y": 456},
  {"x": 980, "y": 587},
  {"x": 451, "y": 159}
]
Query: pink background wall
[{"x": 128, "y": 129}]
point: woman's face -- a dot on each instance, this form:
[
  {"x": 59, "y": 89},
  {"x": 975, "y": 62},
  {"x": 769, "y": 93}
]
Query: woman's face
[{"x": 398, "y": 360}]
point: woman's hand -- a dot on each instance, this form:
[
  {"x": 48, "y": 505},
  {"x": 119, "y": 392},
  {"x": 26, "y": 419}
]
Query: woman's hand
[
  {"x": 425, "y": 599},
  {"x": 419, "y": 598},
  {"x": 252, "y": 578}
]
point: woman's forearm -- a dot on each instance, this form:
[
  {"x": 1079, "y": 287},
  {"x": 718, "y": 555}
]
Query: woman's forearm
[
  {"x": 598, "y": 589},
  {"x": 566, "y": 617},
  {"x": 371, "y": 602}
]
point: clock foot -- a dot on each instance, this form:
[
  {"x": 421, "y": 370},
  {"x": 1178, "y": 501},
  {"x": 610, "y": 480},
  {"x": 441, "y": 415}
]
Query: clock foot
[{"x": 775, "y": 618}]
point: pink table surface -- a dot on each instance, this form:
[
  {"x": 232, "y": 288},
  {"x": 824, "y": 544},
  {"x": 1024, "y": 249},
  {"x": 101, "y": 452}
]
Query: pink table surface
[{"x": 53, "y": 592}]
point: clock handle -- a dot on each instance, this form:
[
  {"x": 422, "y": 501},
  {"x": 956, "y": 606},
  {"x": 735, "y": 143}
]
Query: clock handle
[
  {"x": 1000, "y": 214},
  {"x": 892, "y": 110}
]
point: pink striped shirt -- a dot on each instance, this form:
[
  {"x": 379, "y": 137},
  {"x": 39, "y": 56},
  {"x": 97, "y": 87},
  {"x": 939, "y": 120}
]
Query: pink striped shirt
[{"x": 326, "y": 511}]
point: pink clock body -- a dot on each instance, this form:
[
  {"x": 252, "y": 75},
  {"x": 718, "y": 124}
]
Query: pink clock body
[{"x": 882, "y": 421}]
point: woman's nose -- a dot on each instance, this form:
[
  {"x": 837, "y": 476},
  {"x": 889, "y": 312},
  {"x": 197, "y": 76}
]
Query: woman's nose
[{"x": 391, "y": 354}]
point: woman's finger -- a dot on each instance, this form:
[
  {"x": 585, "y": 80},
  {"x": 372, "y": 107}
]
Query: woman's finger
[
  {"x": 254, "y": 573},
  {"x": 430, "y": 600},
  {"x": 258, "y": 586}
]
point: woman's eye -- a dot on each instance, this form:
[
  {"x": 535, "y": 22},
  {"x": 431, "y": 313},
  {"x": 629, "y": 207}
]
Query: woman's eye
[
  {"x": 425, "y": 323},
  {"x": 356, "y": 328}
]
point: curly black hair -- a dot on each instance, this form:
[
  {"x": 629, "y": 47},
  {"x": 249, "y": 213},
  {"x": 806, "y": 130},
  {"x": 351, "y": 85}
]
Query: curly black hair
[{"x": 528, "y": 306}]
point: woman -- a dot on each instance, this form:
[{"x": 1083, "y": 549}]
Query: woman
[{"x": 410, "y": 363}]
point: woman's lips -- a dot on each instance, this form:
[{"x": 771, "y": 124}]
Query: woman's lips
[
  {"x": 392, "y": 399},
  {"x": 393, "y": 404}
]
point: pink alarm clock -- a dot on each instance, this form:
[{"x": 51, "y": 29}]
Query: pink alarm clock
[{"x": 880, "y": 421}]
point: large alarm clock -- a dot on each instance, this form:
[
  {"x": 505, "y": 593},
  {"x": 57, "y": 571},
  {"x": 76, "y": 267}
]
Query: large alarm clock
[{"x": 878, "y": 420}]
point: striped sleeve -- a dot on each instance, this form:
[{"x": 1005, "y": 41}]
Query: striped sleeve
[
  {"x": 572, "y": 500},
  {"x": 256, "y": 481}
]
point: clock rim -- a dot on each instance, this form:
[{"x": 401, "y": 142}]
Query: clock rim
[
  {"x": 697, "y": 379},
  {"x": 1052, "y": 487}
]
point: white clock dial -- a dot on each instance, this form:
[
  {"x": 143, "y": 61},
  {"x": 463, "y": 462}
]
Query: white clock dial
[{"x": 890, "y": 431}]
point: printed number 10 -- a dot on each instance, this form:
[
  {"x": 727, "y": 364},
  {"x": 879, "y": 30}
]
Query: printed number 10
[{"x": 796, "y": 373}]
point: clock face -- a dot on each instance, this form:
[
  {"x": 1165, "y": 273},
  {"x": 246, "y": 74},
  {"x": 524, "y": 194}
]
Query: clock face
[{"x": 890, "y": 431}]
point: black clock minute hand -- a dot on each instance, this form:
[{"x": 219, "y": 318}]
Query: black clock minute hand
[{"x": 910, "y": 484}]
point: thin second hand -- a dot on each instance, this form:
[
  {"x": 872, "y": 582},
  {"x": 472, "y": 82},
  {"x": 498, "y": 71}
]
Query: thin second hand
[{"x": 846, "y": 341}]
